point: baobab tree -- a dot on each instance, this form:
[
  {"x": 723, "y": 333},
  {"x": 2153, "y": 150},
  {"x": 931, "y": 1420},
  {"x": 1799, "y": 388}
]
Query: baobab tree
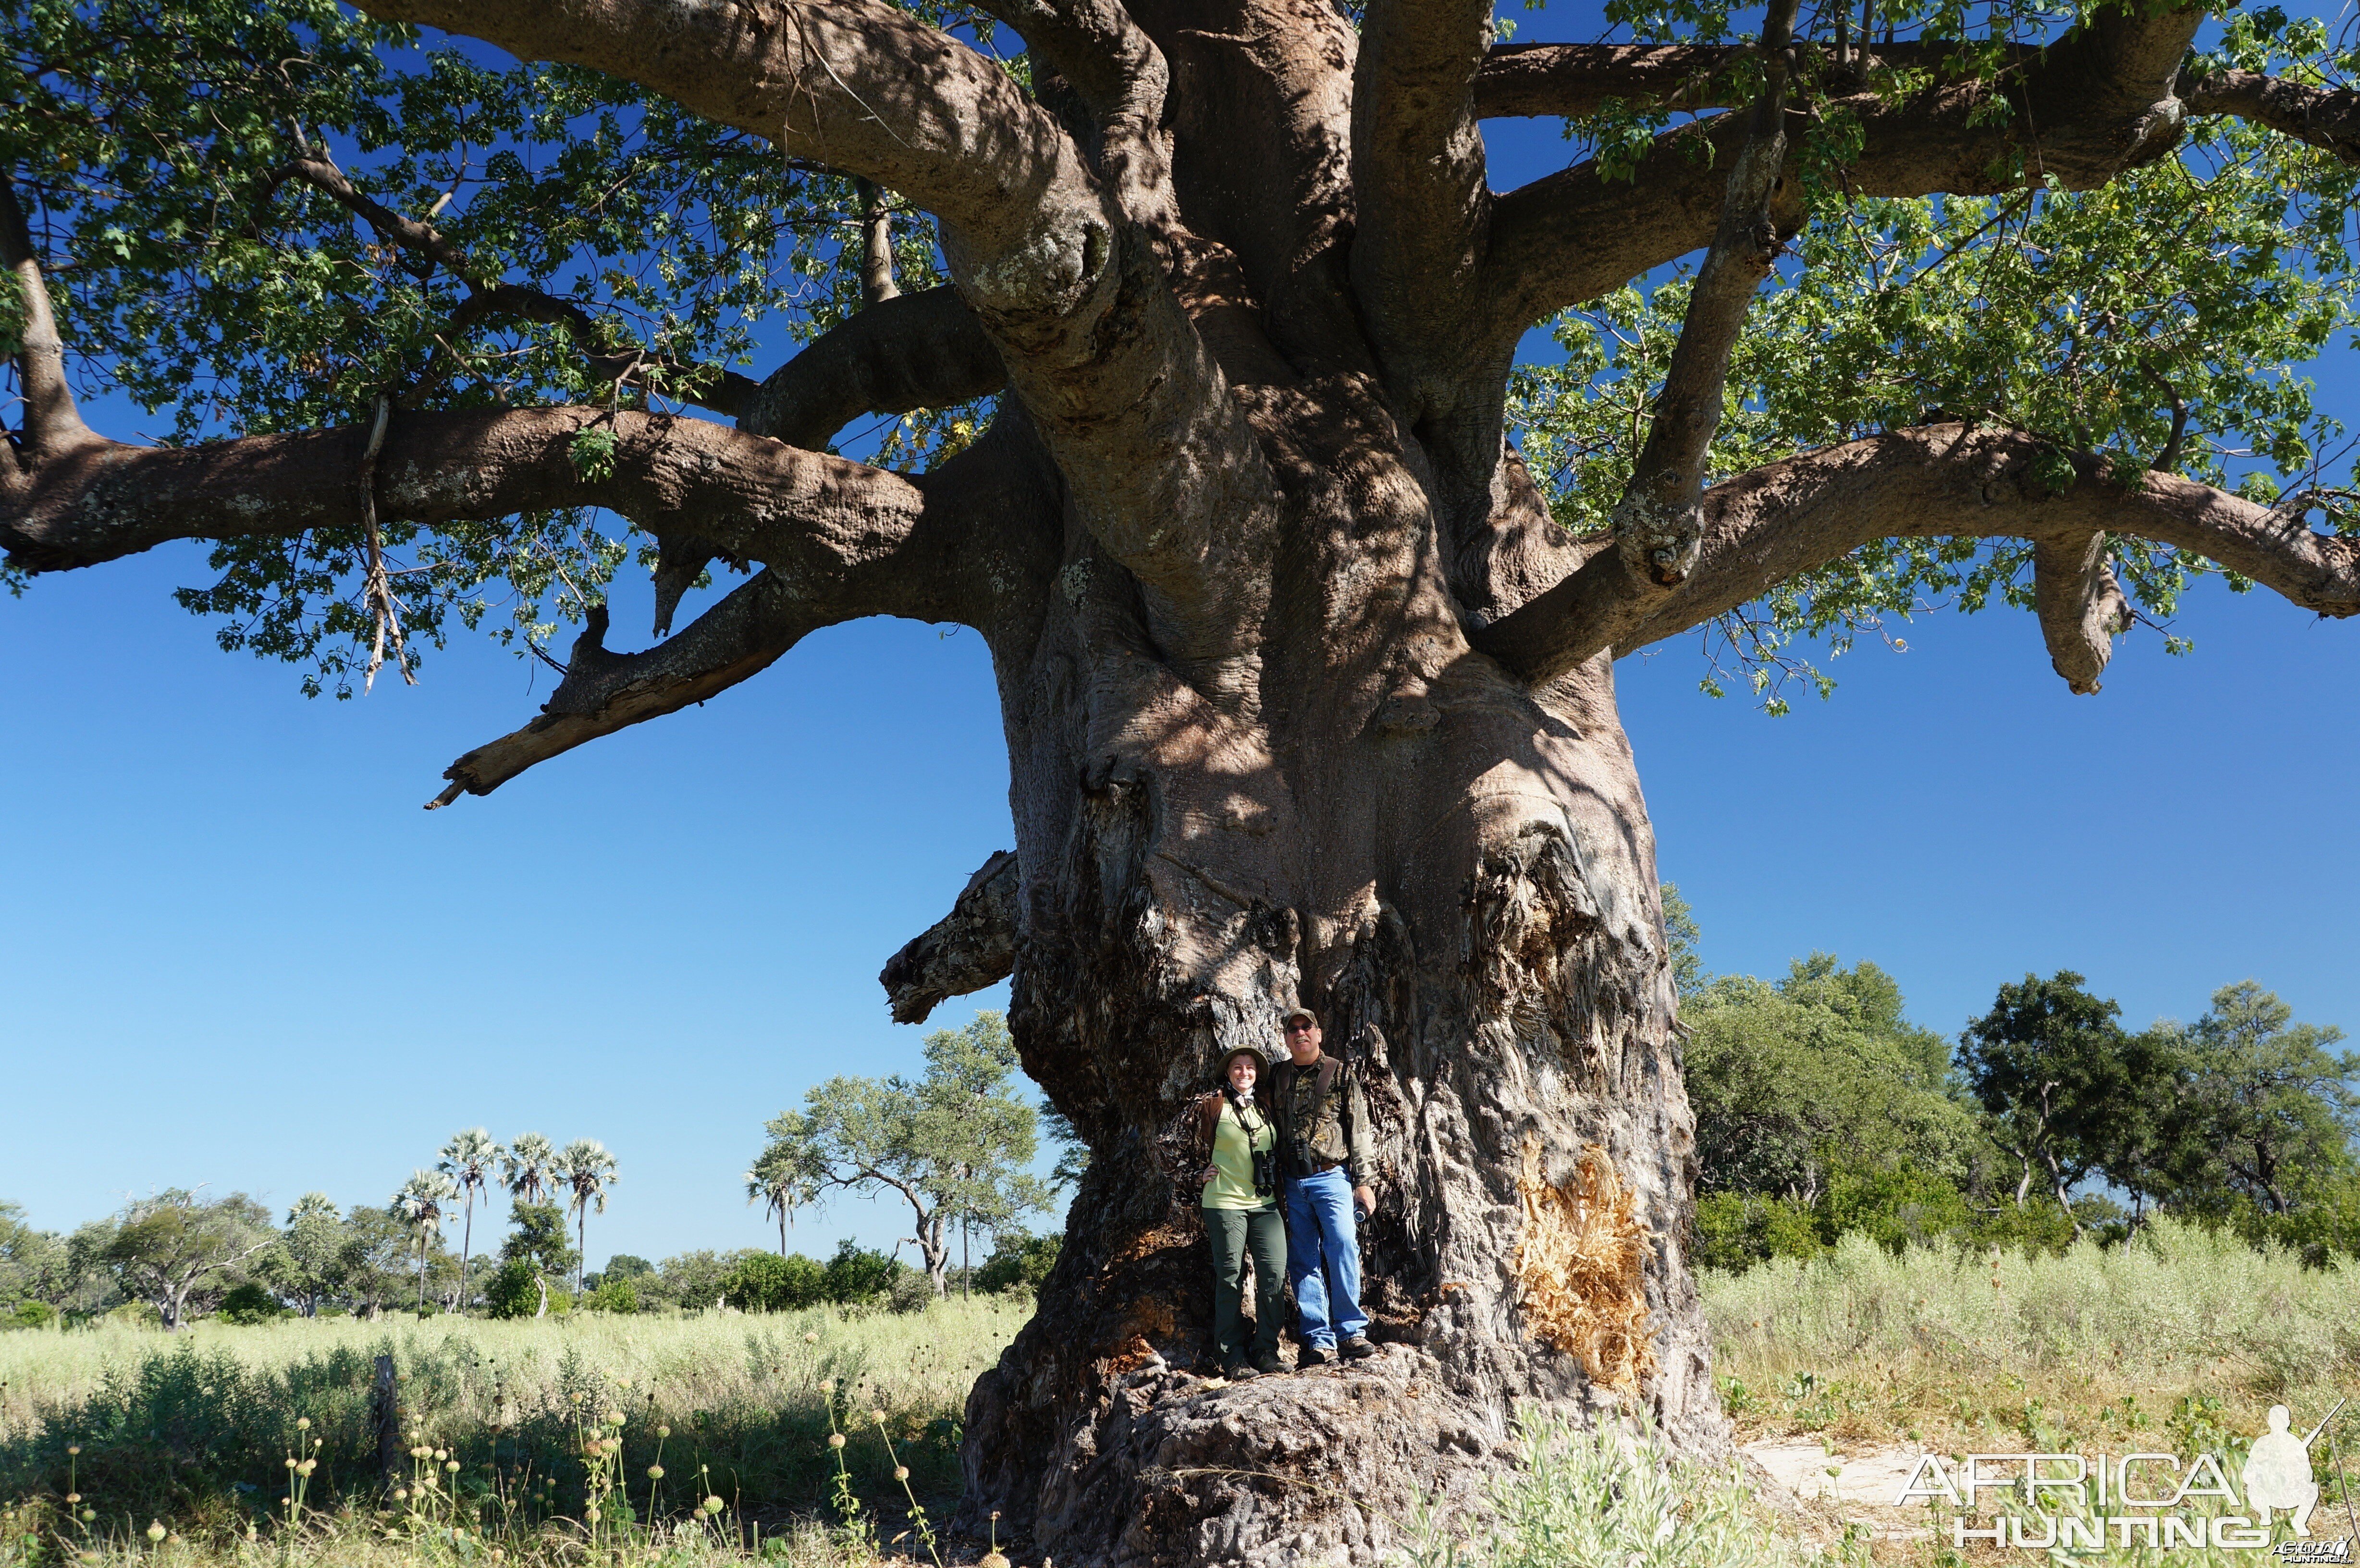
[{"x": 1303, "y": 599}]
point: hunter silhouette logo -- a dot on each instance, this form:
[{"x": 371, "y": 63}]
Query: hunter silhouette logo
[
  {"x": 2277, "y": 1471},
  {"x": 2050, "y": 1502}
]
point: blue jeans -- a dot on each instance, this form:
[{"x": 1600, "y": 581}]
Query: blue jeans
[{"x": 1323, "y": 1259}]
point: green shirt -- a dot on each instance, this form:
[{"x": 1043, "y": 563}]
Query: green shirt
[{"x": 1232, "y": 1186}]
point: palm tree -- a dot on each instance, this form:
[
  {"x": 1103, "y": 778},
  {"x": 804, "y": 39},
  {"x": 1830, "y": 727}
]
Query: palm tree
[
  {"x": 468, "y": 1160},
  {"x": 782, "y": 1184},
  {"x": 526, "y": 1167},
  {"x": 585, "y": 1170},
  {"x": 420, "y": 1202}
]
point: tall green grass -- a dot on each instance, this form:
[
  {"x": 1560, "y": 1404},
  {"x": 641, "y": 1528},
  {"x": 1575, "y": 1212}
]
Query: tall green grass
[{"x": 196, "y": 1428}]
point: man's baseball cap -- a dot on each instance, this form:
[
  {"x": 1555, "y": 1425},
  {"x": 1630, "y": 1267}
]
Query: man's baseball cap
[{"x": 1305, "y": 1014}]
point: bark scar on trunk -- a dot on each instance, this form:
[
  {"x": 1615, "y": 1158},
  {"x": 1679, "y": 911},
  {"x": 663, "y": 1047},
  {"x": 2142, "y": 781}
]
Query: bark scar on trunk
[{"x": 1581, "y": 1268}]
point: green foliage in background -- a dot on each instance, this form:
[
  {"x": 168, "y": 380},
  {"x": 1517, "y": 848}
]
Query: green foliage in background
[
  {"x": 2187, "y": 290},
  {"x": 954, "y": 1145},
  {"x": 1822, "y": 1112}
]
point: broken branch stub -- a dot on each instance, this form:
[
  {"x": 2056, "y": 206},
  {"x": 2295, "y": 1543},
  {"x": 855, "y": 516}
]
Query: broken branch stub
[{"x": 971, "y": 947}]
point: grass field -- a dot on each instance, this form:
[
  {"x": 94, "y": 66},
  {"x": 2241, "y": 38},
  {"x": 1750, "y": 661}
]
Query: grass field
[
  {"x": 195, "y": 1432},
  {"x": 2180, "y": 1343}
]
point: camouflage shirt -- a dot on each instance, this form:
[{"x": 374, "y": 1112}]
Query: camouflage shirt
[{"x": 1314, "y": 1137}]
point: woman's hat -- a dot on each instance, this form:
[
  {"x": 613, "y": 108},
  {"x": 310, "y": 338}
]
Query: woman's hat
[{"x": 1261, "y": 1062}]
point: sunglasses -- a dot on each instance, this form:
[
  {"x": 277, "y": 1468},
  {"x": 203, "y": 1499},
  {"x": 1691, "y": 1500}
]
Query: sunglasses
[{"x": 1301, "y": 1028}]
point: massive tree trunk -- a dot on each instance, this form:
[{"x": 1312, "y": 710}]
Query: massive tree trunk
[
  {"x": 1307, "y": 699},
  {"x": 1458, "y": 876}
]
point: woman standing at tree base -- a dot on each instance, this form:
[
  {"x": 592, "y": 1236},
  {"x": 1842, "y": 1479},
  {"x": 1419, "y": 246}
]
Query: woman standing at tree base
[{"x": 1240, "y": 1204}]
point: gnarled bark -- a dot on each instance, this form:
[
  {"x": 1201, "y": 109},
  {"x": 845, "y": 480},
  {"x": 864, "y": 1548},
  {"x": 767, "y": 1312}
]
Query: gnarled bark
[{"x": 1307, "y": 699}]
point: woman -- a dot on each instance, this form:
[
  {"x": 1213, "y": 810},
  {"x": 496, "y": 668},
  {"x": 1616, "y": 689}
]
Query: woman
[{"x": 1240, "y": 1176}]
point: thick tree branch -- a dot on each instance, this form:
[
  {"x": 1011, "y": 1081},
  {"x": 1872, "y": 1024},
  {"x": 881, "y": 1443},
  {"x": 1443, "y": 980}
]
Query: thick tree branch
[
  {"x": 928, "y": 554},
  {"x": 759, "y": 500},
  {"x": 877, "y": 284},
  {"x": 914, "y": 350},
  {"x": 2098, "y": 103},
  {"x": 1158, "y": 457},
  {"x": 1423, "y": 213},
  {"x": 1520, "y": 80},
  {"x": 1657, "y": 524},
  {"x": 1946, "y": 481},
  {"x": 2325, "y": 118},
  {"x": 1122, "y": 79},
  {"x": 52, "y": 424},
  {"x": 971, "y": 947},
  {"x": 2080, "y": 605},
  {"x": 1575, "y": 81}
]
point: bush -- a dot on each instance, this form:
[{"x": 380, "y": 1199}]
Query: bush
[
  {"x": 30, "y": 1315},
  {"x": 514, "y": 1291},
  {"x": 912, "y": 1290},
  {"x": 1018, "y": 1260},
  {"x": 856, "y": 1274},
  {"x": 249, "y": 1303},
  {"x": 612, "y": 1295},
  {"x": 762, "y": 1282}
]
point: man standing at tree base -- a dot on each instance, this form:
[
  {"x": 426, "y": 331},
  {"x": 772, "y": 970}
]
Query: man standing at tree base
[{"x": 1327, "y": 1161}]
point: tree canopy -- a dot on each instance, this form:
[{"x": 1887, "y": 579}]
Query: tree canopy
[{"x": 954, "y": 1145}]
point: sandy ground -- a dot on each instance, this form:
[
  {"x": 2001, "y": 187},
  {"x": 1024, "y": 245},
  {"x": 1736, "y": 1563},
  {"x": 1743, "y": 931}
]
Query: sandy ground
[{"x": 1854, "y": 1485}]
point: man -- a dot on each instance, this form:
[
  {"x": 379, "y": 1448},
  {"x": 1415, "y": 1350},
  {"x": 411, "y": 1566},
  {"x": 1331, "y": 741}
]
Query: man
[{"x": 1325, "y": 1162}]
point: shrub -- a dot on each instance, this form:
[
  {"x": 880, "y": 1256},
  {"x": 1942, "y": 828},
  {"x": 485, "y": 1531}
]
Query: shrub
[
  {"x": 30, "y": 1315},
  {"x": 1018, "y": 1260},
  {"x": 1604, "y": 1498},
  {"x": 612, "y": 1295},
  {"x": 249, "y": 1303},
  {"x": 912, "y": 1290},
  {"x": 513, "y": 1291},
  {"x": 762, "y": 1282},
  {"x": 856, "y": 1274}
]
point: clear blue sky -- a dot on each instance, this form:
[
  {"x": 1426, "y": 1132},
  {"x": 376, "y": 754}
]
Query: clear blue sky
[{"x": 233, "y": 952}]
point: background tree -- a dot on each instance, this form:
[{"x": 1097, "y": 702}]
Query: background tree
[
  {"x": 1820, "y": 1069},
  {"x": 373, "y": 1268},
  {"x": 2047, "y": 1063},
  {"x": 954, "y": 1144},
  {"x": 314, "y": 1244},
  {"x": 583, "y": 1170},
  {"x": 473, "y": 1161},
  {"x": 33, "y": 1263},
  {"x": 1301, "y": 598},
  {"x": 421, "y": 1204},
  {"x": 783, "y": 1181},
  {"x": 527, "y": 1166},
  {"x": 175, "y": 1247},
  {"x": 536, "y": 1248},
  {"x": 2277, "y": 1107}
]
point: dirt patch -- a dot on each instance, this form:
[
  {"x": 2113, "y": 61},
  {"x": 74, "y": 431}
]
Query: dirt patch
[{"x": 1846, "y": 1485}]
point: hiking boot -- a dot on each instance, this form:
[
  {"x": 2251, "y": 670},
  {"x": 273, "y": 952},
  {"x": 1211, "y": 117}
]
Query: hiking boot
[
  {"x": 1268, "y": 1361},
  {"x": 1312, "y": 1356},
  {"x": 1356, "y": 1348},
  {"x": 1239, "y": 1370}
]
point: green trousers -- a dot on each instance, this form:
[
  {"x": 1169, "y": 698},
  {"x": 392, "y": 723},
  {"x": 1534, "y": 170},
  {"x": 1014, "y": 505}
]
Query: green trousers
[{"x": 1233, "y": 1233}]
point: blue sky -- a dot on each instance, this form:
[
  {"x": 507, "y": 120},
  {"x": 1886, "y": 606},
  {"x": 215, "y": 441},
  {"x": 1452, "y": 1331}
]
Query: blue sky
[{"x": 236, "y": 953}]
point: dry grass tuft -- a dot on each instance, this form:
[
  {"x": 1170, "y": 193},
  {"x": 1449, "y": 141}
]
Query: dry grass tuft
[{"x": 1582, "y": 1268}]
